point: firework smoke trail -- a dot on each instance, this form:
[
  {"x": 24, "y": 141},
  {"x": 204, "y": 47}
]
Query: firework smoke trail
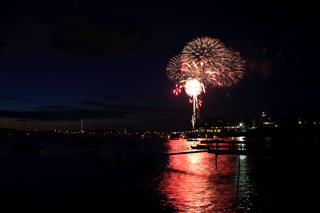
[{"x": 204, "y": 62}]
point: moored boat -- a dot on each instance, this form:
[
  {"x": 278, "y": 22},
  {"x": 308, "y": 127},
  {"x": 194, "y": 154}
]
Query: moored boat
[
  {"x": 200, "y": 146},
  {"x": 192, "y": 140}
]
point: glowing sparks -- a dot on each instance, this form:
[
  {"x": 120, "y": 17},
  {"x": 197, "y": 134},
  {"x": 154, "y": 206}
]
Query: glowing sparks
[
  {"x": 204, "y": 62},
  {"x": 193, "y": 87},
  {"x": 177, "y": 90}
]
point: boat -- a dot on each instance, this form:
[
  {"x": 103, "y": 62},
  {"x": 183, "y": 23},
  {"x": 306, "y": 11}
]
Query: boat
[
  {"x": 174, "y": 138},
  {"x": 192, "y": 139},
  {"x": 200, "y": 146},
  {"x": 211, "y": 141}
]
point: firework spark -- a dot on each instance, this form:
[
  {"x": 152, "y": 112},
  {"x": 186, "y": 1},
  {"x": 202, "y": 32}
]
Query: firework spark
[
  {"x": 204, "y": 62},
  {"x": 193, "y": 87},
  {"x": 177, "y": 90},
  {"x": 207, "y": 50}
]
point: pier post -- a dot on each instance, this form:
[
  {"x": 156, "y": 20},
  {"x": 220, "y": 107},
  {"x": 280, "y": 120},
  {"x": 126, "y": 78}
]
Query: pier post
[
  {"x": 216, "y": 160},
  {"x": 238, "y": 181}
]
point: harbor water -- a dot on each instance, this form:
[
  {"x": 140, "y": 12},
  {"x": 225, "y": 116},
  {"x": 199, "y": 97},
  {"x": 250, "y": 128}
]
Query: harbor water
[{"x": 66, "y": 177}]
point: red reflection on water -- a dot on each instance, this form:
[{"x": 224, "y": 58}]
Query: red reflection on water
[{"x": 192, "y": 183}]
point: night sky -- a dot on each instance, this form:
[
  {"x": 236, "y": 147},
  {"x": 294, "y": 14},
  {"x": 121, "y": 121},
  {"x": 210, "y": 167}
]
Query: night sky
[{"x": 105, "y": 61}]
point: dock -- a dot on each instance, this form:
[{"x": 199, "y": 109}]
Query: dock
[
  {"x": 226, "y": 148},
  {"x": 180, "y": 150},
  {"x": 242, "y": 148}
]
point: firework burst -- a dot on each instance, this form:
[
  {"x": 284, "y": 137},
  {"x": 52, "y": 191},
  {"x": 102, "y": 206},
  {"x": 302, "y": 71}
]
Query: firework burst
[
  {"x": 204, "y": 62},
  {"x": 193, "y": 87},
  {"x": 207, "y": 50}
]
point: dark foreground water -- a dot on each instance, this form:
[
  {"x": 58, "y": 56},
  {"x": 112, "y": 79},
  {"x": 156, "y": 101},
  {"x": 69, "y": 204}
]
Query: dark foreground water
[{"x": 66, "y": 178}]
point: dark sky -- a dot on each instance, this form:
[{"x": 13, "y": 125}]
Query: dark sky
[{"x": 105, "y": 62}]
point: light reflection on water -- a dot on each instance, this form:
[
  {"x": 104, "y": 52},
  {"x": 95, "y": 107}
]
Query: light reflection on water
[{"x": 192, "y": 183}]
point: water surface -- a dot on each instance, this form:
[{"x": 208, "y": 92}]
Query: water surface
[{"x": 65, "y": 178}]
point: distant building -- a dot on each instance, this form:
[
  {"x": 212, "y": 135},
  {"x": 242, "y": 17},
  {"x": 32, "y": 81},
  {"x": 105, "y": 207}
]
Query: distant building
[
  {"x": 217, "y": 125},
  {"x": 267, "y": 122},
  {"x": 309, "y": 120}
]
